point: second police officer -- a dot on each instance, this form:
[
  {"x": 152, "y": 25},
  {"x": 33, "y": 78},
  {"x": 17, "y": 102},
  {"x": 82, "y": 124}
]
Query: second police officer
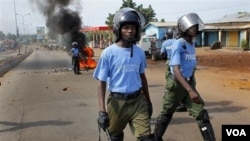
[
  {"x": 180, "y": 85},
  {"x": 170, "y": 36}
]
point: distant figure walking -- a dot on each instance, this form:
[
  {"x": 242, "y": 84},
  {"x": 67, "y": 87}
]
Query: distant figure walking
[{"x": 75, "y": 58}]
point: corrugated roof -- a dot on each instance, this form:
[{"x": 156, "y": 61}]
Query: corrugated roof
[
  {"x": 237, "y": 17},
  {"x": 162, "y": 24},
  {"x": 211, "y": 27}
]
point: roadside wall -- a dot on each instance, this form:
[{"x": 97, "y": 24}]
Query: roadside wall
[{"x": 5, "y": 67}]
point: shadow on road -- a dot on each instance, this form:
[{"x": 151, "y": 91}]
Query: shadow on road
[
  {"x": 223, "y": 107},
  {"x": 18, "y": 126},
  {"x": 213, "y": 107}
]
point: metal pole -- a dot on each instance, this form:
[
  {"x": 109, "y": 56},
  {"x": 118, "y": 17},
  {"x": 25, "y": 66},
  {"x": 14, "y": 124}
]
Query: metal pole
[
  {"x": 23, "y": 21},
  {"x": 17, "y": 34},
  {"x": 23, "y": 26}
]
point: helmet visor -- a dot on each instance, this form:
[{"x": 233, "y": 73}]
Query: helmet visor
[
  {"x": 120, "y": 13},
  {"x": 189, "y": 20}
]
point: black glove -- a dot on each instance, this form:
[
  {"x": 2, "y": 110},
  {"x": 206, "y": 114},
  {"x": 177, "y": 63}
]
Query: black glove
[
  {"x": 150, "y": 110},
  {"x": 103, "y": 120}
]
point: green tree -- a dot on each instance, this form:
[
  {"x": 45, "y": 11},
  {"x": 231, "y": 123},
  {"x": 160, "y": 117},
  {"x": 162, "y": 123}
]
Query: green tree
[
  {"x": 148, "y": 13},
  {"x": 162, "y": 20},
  {"x": 244, "y": 44},
  {"x": 128, "y": 3},
  {"x": 109, "y": 20},
  {"x": 11, "y": 36},
  {"x": 2, "y": 35}
]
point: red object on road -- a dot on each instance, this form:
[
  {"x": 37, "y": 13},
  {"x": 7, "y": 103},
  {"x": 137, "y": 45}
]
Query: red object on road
[{"x": 89, "y": 63}]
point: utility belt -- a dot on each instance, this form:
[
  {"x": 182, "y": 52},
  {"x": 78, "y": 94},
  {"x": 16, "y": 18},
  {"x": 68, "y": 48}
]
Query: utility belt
[
  {"x": 126, "y": 96},
  {"x": 188, "y": 79}
]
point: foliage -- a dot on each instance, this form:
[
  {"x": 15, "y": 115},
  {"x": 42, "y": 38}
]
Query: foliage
[
  {"x": 148, "y": 13},
  {"x": 8, "y": 36},
  {"x": 2, "y": 35},
  {"x": 162, "y": 20},
  {"x": 109, "y": 20},
  {"x": 244, "y": 44}
]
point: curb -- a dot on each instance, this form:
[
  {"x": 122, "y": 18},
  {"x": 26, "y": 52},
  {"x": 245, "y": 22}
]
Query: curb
[{"x": 5, "y": 67}]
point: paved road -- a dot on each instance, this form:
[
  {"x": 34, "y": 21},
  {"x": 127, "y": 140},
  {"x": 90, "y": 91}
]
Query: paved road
[{"x": 41, "y": 100}]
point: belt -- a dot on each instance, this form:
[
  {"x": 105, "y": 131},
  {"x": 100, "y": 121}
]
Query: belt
[
  {"x": 125, "y": 96},
  {"x": 188, "y": 79}
]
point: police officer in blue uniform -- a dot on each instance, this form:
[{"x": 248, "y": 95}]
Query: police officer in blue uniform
[
  {"x": 170, "y": 35},
  {"x": 180, "y": 84},
  {"x": 75, "y": 58},
  {"x": 121, "y": 68}
]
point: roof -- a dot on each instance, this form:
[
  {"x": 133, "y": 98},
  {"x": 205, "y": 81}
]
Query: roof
[
  {"x": 162, "y": 24},
  {"x": 211, "y": 27},
  {"x": 237, "y": 17},
  {"x": 95, "y": 28}
]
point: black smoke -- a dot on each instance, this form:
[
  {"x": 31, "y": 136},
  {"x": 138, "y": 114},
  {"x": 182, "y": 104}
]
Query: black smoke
[{"x": 61, "y": 20}]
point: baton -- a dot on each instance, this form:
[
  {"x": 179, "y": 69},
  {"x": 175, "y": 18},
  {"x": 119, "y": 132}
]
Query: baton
[{"x": 108, "y": 134}]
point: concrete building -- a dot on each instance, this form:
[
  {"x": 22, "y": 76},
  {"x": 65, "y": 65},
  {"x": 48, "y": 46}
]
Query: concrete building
[
  {"x": 158, "y": 29},
  {"x": 229, "y": 30}
]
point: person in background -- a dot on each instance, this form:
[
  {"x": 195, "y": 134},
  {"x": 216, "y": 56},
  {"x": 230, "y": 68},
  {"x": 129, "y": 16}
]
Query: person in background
[
  {"x": 75, "y": 58},
  {"x": 121, "y": 68},
  {"x": 170, "y": 37},
  {"x": 180, "y": 84}
]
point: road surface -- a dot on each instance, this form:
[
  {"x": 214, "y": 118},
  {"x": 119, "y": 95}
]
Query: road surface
[{"x": 42, "y": 100}]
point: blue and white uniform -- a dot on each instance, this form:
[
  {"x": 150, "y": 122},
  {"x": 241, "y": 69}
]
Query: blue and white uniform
[
  {"x": 75, "y": 52},
  {"x": 166, "y": 47},
  {"x": 119, "y": 70},
  {"x": 183, "y": 54},
  {"x": 75, "y": 60}
]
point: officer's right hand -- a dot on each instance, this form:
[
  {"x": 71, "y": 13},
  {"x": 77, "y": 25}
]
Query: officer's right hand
[
  {"x": 194, "y": 97},
  {"x": 103, "y": 120},
  {"x": 150, "y": 109}
]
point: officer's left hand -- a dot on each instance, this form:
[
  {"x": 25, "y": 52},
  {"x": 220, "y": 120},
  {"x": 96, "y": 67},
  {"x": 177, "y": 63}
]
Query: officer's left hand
[
  {"x": 150, "y": 109},
  {"x": 194, "y": 97}
]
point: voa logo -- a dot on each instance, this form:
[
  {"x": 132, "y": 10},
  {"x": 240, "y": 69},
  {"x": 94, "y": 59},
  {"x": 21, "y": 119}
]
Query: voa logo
[{"x": 236, "y": 132}]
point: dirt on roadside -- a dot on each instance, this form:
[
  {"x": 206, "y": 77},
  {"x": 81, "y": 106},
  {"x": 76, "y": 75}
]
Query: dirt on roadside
[
  {"x": 220, "y": 61},
  {"x": 227, "y": 60}
]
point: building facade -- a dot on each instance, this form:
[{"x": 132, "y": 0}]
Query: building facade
[{"x": 229, "y": 30}]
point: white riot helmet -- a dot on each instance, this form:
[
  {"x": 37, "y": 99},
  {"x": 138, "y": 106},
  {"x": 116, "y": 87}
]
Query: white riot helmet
[
  {"x": 125, "y": 16},
  {"x": 189, "y": 20},
  {"x": 74, "y": 44}
]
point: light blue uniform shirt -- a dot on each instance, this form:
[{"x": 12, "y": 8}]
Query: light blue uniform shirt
[
  {"x": 183, "y": 54},
  {"x": 75, "y": 52},
  {"x": 119, "y": 70},
  {"x": 166, "y": 47}
]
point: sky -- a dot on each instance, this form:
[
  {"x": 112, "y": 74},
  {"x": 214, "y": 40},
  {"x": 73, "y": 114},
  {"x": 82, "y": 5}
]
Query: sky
[{"x": 95, "y": 12}]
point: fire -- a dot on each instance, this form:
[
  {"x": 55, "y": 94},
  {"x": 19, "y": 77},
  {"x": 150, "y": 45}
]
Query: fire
[{"x": 89, "y": 63}]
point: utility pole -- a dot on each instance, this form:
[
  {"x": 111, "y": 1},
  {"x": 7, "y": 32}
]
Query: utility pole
[
  {"x": 17, "y": 32},
  {"x": 23, "y": 21}
]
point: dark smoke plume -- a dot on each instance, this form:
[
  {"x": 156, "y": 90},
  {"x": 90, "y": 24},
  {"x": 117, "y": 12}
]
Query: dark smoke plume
[{"x": 60, "y": 19}]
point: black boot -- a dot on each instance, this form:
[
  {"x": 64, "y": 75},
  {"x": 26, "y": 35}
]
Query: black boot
[
  {"x": 205, "y": 126},
  {"x": 117, "y": 138},
  {"x": 161, "y": 126},
  {"x": 149, "y": 137}
]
